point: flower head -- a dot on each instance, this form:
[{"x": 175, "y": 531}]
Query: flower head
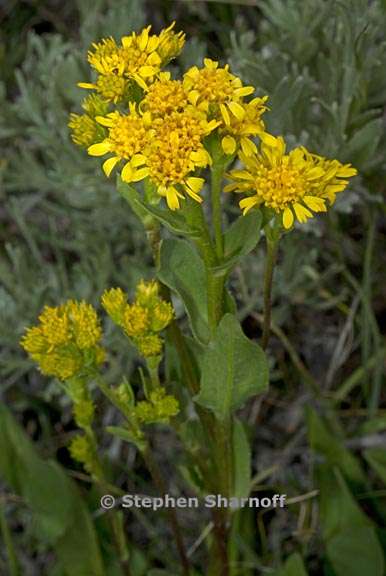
[
  {"x": 141, "y": 320},
  {"x": 114, "y": 301},
  {"x": 127, "y": 140},
  {"x": 170, "y": 44},
  {"x": 94, "y": 105},
  {"x": 176, "y": 151},
  {"x": 138, "y": 59},
  {"x": 164, "y": 96},
  {"x": 66, "y": 341},
  {"x": 216, "y": 91},
  {"x": 294, "y": 185},
  {"x": 241, "y": 130},
  {"x": 84, "y": 130}
]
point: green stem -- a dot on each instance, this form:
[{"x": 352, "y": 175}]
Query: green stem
[
  {"x": 215, "y": 283},
  {"x": 272, "y": 248},
  {"x": 13, "y": 565},
  {"x": 216, "y": 182},
  {"x": 158, "y": 480}
]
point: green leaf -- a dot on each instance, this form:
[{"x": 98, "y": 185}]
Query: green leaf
[
  {"x": 233, "y": 369},
  {"x": 174, "y": 221},
  {"x": 242, "y": 461},
  {"x": 182, "y": 269},
  {"x": 376, "y": 457},
  {"x": 130, "y": 194},
  {"x": 323, "y": 441},
  {"x": 363, "y": 145},
  {"x": 61, "y": 517},
  {"x": 351, "y": 542},
  {"x": 240, "y": 239},
  {"x": 293, "y": 566}
]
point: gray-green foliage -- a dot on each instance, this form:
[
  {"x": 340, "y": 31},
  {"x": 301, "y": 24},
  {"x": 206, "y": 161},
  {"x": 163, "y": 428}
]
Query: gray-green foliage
[
  {"x": 321, "y": 62},
  {"x": 66, "y": 233}
]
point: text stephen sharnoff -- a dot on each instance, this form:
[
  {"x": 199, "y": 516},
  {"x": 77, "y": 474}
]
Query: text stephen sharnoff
[{"x": 209, "y": 501}]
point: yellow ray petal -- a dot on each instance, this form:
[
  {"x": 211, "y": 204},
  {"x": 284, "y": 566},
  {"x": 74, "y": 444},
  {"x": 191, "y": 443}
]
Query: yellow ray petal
[
  {"x": 228, "y": 145},
  {"x": 172, "y": 198},
  {"x": 316, "y": 204},
  {"x": 138, "y": 160},
  {"x": 248, "y": 147},
  {"x": 237, "y": 110},
  {"x": 302, "y": 214},
  {"x": 244, "y": 91},
  {"x": 140, "y": 174},
  {"x": 99, "y": 149},
  {"x": 247, "y": 203},
  {"x": 288, "y": 218},
  {"x": 346, "y": 171},
  {"x": 147, "y": 71},
  {"x": 87, "y": 85},
  {"x": 105, "y": 121},
  {"x": 225, "y": 114},
  {"x": 127, "y": 173},
  {"x": 195, "y": 184},
  {"x": 109, "y": 165}
]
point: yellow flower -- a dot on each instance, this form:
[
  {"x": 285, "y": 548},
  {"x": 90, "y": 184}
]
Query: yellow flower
[
  {"x": 110, "y": 86},
  {"x": 294, "y": 185},
  {"x": 114, "y": 301},
  {"x": 127, "y": 140},
  {"x": 106, "y": 57},
  {"x": 85, "y": 327},
  {"x": 239, "y": 132},
  {"x": 135, "y": 320},
  {"x": 66, "y": 340},
  {"x": 142, "y": 319},
  {"x": 84, "y": 130},
  {"x": 164, "y": 96},
  {"x": 149, "y": 345},
  {"x": 94, "y": 105},
  {"x": 216, "y": 91},
  {"x": 147, "y": 293},
  {"x": 176, "y": 150},
  {"x": 138, "y": 59},
  {"x": 170, "y": 44},
  {"x": 161, "y": 316}
]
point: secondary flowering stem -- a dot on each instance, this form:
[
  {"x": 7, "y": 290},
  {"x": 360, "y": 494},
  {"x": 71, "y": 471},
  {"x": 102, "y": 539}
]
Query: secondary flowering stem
[{"x": 272, "y": 249}]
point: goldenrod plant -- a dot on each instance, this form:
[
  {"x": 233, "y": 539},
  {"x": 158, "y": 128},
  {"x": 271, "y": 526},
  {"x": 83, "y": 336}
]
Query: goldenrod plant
[
  {"x": 193, "y": 221},
  {"x": 172, "y": 143}
]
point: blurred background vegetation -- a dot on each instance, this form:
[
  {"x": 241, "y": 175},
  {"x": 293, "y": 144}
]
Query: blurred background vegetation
[{"x": 65, "y": 232}]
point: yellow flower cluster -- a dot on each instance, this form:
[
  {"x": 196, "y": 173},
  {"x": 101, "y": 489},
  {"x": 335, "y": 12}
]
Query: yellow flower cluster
[
  {"x": 141, "y": 320},
  {"x": 294, "y": 185},
  {"x": 221, "y": 95},
  {"x": 66, "y": 341},
  {"x": 137, "y": 59},
  {"x": 160, "y": 132},
  {"x": 163, "y": 131}
]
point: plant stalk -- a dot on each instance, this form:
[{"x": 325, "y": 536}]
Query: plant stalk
[
  {"x": 271, "y": 257},
  {"x": 161, "y": 486}
]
